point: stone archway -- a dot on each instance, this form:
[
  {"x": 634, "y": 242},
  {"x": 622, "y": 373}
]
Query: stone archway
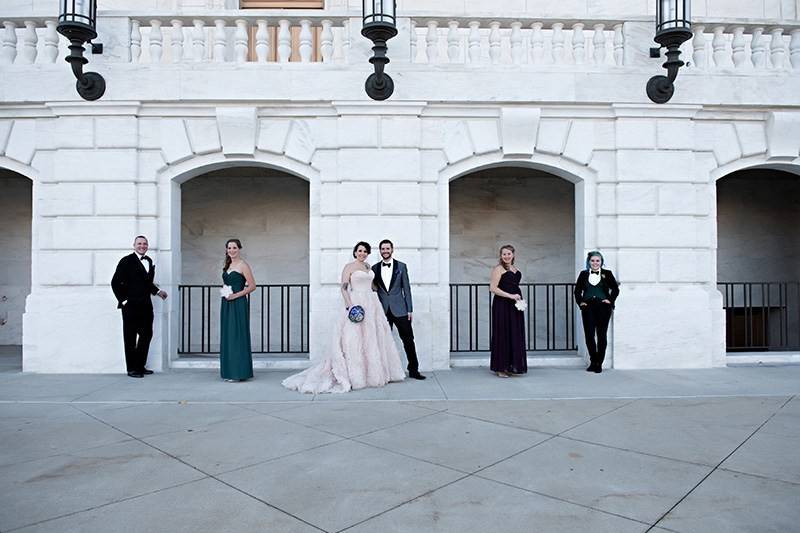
[
  {"x": 215, "y": 198},
  {"x": 16, "y": 215},
  {"x": 758, "y": 259},
  {"x": 541, "y": 210}
]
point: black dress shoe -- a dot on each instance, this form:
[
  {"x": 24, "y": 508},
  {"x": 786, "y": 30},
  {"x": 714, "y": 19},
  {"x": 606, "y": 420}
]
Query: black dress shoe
[
  {"x": 598, "y": 369},
  {"x": 135, "y": 375},
  {"x": 416, "y": 375},
  {"x": 146, "y": 372},
  {"x": 590, "y": 368}
]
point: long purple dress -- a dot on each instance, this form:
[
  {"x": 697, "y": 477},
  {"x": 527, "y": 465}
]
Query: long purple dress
[{"x": 508, "y": 328}]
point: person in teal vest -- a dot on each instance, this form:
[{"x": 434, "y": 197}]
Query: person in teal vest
[
  {"x": 235, "y": 355},
  {"x": 596, "y": 290}
]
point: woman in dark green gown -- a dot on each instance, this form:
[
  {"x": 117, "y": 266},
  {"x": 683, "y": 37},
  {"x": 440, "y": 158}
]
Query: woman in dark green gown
[{"x": 235, "y": 356}]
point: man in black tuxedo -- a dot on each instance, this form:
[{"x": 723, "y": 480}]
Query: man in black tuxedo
[
  {"x": 394, "y": 292},
  {"x": 133, "y": 285}
]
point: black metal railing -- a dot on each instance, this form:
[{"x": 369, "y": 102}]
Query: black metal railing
[
  {"x": 278, "y": 319},
  {"x": 761, "y": 316},
  {"x": 549, "y": 319}
]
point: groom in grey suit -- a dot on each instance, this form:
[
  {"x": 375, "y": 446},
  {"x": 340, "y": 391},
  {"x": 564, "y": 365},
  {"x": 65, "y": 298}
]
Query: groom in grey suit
[{"x": 394, "y": 292}]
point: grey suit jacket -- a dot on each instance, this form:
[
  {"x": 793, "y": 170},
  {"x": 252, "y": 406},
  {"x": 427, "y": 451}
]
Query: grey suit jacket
[{"x": 397, "y": 296}]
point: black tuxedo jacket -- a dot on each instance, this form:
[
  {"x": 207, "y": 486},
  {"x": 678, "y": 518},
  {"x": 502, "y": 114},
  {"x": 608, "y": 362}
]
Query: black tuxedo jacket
[
  {"x": 608, "y": 283},
  {"x": 132, "y": 283}
]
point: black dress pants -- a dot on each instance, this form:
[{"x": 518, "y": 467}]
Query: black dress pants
[
  {"x": 407, "y": 336},
  {"x": 137, "y": 331},
  {"x": 596, "y": 316}
]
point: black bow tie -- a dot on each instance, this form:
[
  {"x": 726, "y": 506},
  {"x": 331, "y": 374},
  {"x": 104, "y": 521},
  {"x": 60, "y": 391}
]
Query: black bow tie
[
  {"x": 145, "y": 258},
  {"x": 386, "y": 264},
  {"x": 593, "y": 272}
]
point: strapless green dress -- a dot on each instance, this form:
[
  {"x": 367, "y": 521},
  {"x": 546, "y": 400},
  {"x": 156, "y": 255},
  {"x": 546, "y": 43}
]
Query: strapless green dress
[{"x": 235, "y": 355}]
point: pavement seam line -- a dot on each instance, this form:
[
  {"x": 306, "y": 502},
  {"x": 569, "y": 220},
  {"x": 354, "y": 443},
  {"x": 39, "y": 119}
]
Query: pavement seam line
[
  {"x": 717, "y": 467},
  {"x": 562, "y": 500},
  {"x": 759, "y": 476},
  {"x": 100, "y": 506},
  {"x": 358, "y": 435},
  {"x": 392, "y": 508},
  {"x": 441, "y": 388},
  {"x": 237, "y": 489},
  {"x": 77, "y": 398}
]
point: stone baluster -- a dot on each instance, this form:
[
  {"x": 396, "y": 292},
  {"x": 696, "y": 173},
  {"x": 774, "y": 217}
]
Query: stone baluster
[
  {"x": 414, "y": 39},
  {"x": 494, "y": 42},
  {"x": 599, "y": 42},
  {"x": 699, "y": 47},
  {"x": 794, "y": 49},
  {"x": 432, "y": 42},
  {"x": 777, "y": 48},
  {"x": 537, "y": 44},
  {"x": 305, "y": 47},
  {"x": 517, "y": 52},
  {"x": 326, "y": 41},
  {"x": 156, "y": 41},
  {"x": 220, "y": 41},
  {"x": 262, "y": 41},
  {"x": 176, "y": 40},
  {"x": 29, "y": 41},
  {"x": 758, "y": 49},
  {"x": 50, "y": 41},
  {"x": 198, "y": 41},
  {"x": 346, "y": 38},
  {"x": 474, "y": 42},
  {"x": 453, "y": 42},
  {"x": 9, "y": 41},
  {"x": 240, "y": 41},
  {"x": 578, "y": 43},
  {"x": 136, "y": 41},
  {"x": 737, "y": 46},
  {"x": 720, "y": 46},
  {"x": 284, "y": 41},
  {"x": 558, "y": 43},
  {"x": 619, "y": 45}
]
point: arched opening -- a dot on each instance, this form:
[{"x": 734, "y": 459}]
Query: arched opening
[
  {"x": 758, "y": 259},
  {"x": 16, "y": 213},
  {"x": 535, "y": 211},
  {"x": 268, "y": 211}
]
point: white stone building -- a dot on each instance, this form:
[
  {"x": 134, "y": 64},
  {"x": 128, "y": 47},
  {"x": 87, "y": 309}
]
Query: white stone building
[{"x": 515, "y": 121}]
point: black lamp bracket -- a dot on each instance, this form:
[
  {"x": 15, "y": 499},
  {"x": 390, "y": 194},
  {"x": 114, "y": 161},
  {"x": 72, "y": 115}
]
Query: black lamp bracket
[{"x": 90, "y": 85}]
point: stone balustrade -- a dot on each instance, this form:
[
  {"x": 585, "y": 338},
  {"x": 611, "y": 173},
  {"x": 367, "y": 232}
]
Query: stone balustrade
[
  {"x": 275, "y": 37},
  {"x": 30, "y": 41},
  {"x": 516, "y": 42},
  {"x": 239, "y": 40},
  {"x": 743, "y": 48}
]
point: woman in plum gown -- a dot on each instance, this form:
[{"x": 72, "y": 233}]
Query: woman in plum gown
[
  {"x": 362, "y": 354},
  {"x": 508, "y": 357}
]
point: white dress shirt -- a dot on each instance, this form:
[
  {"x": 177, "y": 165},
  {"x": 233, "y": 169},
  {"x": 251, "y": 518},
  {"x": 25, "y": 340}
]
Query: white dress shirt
[
  {"x": 386, "y": 273},
  {"x": 145, "y": 263}
]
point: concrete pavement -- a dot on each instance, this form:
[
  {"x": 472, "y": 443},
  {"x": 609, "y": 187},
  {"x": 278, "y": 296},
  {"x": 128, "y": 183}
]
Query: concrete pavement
[{"x": 557, "y": 450}]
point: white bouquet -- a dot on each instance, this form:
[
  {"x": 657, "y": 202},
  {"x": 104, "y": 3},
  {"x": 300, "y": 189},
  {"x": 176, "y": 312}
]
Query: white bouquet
[
  {"x": 521, "y": 305},
  {"x": 225, "y": 291}
]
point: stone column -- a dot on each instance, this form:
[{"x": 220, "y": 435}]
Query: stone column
[{"x": 661, "y": 235}]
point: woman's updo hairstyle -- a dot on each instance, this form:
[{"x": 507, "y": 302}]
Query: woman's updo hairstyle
[{"x": 227, "y": 262}]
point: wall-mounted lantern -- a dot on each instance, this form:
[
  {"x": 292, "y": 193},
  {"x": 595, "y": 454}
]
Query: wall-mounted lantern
[
  {"x": 673, "y": 28},
  {"x": 77, "y": 22},
  {"x": 379, "y": 27}
]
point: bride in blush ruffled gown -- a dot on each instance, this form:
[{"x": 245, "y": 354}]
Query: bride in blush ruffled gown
[{"x": 362, "y": 354}]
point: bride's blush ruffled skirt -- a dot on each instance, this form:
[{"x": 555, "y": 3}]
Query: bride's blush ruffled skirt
[{"x": 361, "y": 355}]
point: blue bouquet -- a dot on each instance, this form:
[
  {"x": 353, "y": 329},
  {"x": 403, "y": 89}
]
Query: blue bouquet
[{"x": 356, "y": 314}]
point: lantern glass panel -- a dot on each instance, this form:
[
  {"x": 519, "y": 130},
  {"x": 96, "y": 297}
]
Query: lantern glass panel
[
  {"x": 78, "y": 11},
  {"x": 673, "y": 14},
  {"x": 379, "y": 11}
]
